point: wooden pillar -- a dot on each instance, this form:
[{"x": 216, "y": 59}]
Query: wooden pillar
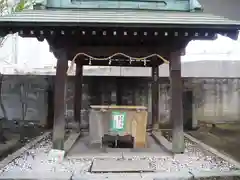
[
  {"x": 78, "y": 93},
  {"x": 155, "y": 96},
  {"x": 50, "y": 102},
  {"x": 59, "y": 100},
  {"x": 150, "y": 103},
  {"x": 159, "y": 101},
  {"x": 176, "y": 110}
]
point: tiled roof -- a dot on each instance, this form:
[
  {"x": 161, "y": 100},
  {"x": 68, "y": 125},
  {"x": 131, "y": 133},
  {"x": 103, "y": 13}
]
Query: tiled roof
[{"x": 127, "y": 17}]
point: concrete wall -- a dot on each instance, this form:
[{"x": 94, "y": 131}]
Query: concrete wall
[
  {"x": 215, "y": 100},
  {"x": 227, "y": 8},
  {"x": 25, "y": 97}
]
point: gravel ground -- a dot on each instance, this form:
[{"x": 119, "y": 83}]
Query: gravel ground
[{"x": 36, "y": 160}]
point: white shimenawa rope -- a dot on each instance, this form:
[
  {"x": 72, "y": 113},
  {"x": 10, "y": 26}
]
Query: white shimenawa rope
[{"x": 70, "y": 69}]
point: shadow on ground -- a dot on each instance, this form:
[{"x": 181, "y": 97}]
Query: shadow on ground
[{"x": 224, "y": 137}]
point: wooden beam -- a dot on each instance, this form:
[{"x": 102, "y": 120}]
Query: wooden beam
[
  {"x": 133, "y": 51},
  {"x": 59, "y": 100},
  {"x": 126, "y": 63},
  {"x": 78, "y": 93},
  {"x": 155, "y": 96},
  {"x": 176, "y": 110}
]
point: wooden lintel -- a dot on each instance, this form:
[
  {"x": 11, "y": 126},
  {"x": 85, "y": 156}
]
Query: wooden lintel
[
  {"x": 78, "y": 92},
  {"x": 176, "y": 110},
  {"x": 119, "y": 63},
  {"x": 106, "y": 51},
  {"x": 112, "y": 33},
  {"x": 59, "y": 100}
]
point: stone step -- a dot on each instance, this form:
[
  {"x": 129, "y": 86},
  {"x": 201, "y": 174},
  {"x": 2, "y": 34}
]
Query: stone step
[{"x": 114, "y": 165}]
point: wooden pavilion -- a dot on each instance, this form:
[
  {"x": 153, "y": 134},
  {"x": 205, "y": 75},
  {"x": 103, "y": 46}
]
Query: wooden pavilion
[{"x": 138, "y": 33}]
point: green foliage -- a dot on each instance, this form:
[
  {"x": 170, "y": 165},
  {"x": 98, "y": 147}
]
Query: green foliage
[
  {"x": 6, "y": 8},
  {"x": 3, "y": 6},
  {"x": 19, "y": 6},
  {"x": 23, "y": 4}
]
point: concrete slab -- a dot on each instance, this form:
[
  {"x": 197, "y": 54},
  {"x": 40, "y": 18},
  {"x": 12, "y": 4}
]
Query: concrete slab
[
  {"x": 112, "y": 165},
  {"x": 81, "y": 150},
  {"x": 109, "y": 176},
  {"x": 157, "y": 135},
  {"x": 143, "y": 155},
  {"x": 121, "y": 150},
  {"x": 36, "y": 176},
  {"x": 81, "y": 147},
  {"x": 182, "y": 175},
  {"x": 68, "y": 144},
  {"x": 110, "y": 155}
]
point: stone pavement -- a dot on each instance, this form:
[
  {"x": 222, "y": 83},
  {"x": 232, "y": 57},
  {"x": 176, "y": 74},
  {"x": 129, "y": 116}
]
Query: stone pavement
[
  {"x": 195, "y": 163},
  {"x": 181, "y": 175}
]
